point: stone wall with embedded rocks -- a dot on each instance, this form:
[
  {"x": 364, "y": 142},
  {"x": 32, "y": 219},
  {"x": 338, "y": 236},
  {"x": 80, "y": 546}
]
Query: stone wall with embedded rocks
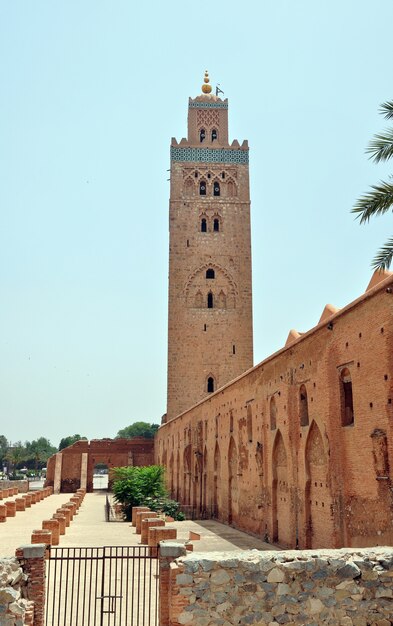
[
  {"x": 346, "y": 587},
  {"x": 15, "y": 610}
]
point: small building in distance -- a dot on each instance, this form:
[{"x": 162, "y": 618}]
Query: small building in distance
[{"x": 72, "y": 468}]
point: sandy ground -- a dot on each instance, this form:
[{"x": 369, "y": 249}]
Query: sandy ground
[{"x": 89, "y": 528}]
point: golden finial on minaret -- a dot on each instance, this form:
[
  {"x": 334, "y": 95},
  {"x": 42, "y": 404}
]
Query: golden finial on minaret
[{"x": 206, "y": 87}]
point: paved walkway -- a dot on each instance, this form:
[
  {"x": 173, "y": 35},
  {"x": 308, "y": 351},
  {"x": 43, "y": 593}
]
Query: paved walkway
[{"x": 89, "y": 529}]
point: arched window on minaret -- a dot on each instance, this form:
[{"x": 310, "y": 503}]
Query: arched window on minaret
[
  {"x": 210, "y": 300},
  {"x": 210, "y": 273},
  {"x": 214, "y": 134},
  {"x": 210, "y": 384},
  {"x": 202, "y": 188},
  {"x": 216, "y": 225},
  {"x": 203, "y": 225},
  {"x": 216, "y": 188},
  {"x": 202, "y": 135}
]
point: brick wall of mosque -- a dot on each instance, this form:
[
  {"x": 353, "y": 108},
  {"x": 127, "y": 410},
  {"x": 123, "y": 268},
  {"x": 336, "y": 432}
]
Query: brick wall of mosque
[{"x": 298, "y": 449}]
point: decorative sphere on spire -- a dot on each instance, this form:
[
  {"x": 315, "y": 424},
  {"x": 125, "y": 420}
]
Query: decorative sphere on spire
[{"x": 206, "y": 88}]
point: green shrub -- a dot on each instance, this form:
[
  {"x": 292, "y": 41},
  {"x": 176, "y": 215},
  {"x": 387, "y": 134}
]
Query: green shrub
[
  {"x": 165, "y": 505},
  {"x": 143, "y": 486},
  {"x": 132, "y": 485}
]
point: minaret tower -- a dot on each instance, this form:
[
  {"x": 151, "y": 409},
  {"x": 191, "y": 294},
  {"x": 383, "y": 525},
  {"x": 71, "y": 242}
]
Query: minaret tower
[{"x": 210, "y": 296}]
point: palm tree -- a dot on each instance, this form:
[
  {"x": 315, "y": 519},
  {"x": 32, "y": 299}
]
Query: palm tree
[
  {"x": 380, "y": 199},
  {"x": 15, "y": 455}
]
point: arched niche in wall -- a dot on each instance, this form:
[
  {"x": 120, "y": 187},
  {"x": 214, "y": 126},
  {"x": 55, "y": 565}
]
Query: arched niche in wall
[
  {"x": 281, "y": 505},
  {"x": 233, "y": 481},
  {"x": 317, "y": 496}
]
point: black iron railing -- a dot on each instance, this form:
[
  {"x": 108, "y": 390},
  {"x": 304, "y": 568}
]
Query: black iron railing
[{"x": 103, "y": 586}]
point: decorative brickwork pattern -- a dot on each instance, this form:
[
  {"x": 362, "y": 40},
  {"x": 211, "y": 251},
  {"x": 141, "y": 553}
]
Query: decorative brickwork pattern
[
  {"x": 198, "y": 104},
  {"x": 209, "y": 155},
  {"x": 207, "y": 118}
]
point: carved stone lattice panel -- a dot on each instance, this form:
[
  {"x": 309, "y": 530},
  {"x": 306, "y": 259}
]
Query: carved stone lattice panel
[{"x": 207, "y": 118}]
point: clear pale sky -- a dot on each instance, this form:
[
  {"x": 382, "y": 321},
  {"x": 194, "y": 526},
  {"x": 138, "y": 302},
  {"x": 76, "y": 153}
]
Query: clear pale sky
[{"x": 91, "y": 93}]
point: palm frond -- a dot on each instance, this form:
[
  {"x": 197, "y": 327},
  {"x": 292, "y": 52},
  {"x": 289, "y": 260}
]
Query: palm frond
[
  {"x": 384, "y": 256},
  {"x": 387, "y": 110},
  {"x": 381, "y": 146},
  {"x": 376, "y": 202}
]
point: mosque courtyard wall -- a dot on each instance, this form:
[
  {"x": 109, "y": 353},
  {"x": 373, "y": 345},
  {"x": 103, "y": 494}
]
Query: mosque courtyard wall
[
  {"x": 298, "y": 449},
  {"x": 72, "y": 468}
]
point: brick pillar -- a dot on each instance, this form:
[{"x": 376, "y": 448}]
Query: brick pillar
[
  {"x": 42, "y": 536},
  {"x": 146, "y": 523},
  {"x": 157, "y": 534},
  {"x": 67, "y": 514},
  {"x": 57, "y": 478},
  {"x": 32, "y": 561},
  {"x": 77, "y": 501},
  {"x": 62, "y": 522},
  {"x": 169, "y": 551},
  {"x": 20, "y": 504},
  {"x": 135, "y": 510},
  {"x": 11, "y": 508},
  {"x": 54, "y": 526},
  {"x": 84, "y": 470},
  {"x": 71, "y": 508},
  {"x": 139, "y": 517},
  {"x": 27, "y": 498}
]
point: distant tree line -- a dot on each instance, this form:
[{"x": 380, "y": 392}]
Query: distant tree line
[{"x": 30, "y": 455}]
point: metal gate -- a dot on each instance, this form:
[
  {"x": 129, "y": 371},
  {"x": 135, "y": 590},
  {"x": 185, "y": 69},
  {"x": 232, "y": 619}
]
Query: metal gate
[{"x": 107, "y": 586}]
